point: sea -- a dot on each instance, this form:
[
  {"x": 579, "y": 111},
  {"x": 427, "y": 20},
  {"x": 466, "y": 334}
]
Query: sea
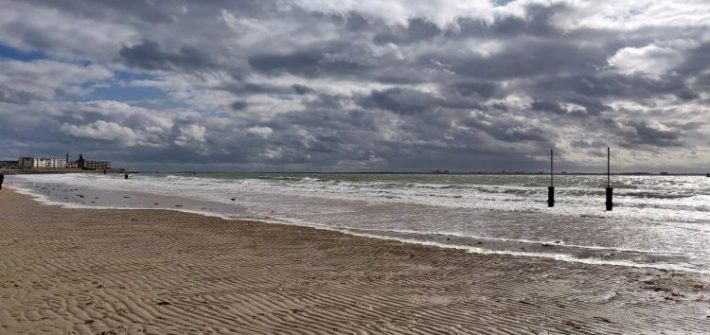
[{"x": 658, "y": 222}]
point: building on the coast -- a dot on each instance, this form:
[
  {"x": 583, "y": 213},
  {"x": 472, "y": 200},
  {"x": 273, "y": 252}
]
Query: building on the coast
[
  {"x": 57, "y": 163},
  {"x": 92, "y": 165},
  {"x": 34, "y": 163},
  {"x": 26, "y": 162},
  {"x": 41, "y": 163}
]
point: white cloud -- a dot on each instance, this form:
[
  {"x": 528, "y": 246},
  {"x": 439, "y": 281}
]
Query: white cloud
[
  {"x": 651, "y": 60},
  {"x": 441, "y": 12},
  {"x": 260, "y": 131},
  {"x": 27, "y": 27},
  {"x": 120, "y": 122},
  {"x": 105, "y": 131},
  {"x": 634, "y": 14},
  {"x": 272, "y": 153},
  {"x": 45, "y": 78},
  {"x": 191, "y": 134}
]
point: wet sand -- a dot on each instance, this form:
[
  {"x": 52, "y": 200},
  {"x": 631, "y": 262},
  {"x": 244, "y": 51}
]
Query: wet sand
[{"x": 77, "y": 271}]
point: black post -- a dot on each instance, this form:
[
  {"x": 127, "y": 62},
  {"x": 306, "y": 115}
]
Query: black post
[
  {"x": 609, "y": 189},
  {"x": 551, "y": 189}
]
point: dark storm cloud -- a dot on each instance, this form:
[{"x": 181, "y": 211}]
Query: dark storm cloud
[
  {"x": 481, "y": 89},
  {"x": 527, "y": 58},
  {"x": 243, "y": 88},
  {"x": 538, "y": 21},
  {"x": 400, "y": 101},
  {"x": 239, "y": 105},
  {"x": 154, "y": 12},
  {"x": 365, "y": 85},
  {"x": 598, "y": 86},
  {"x": 645, "y": 134},
  {"x": 302, "y": 89},
  {"x": 11, "y": 95},
  {"x": 308, "y": 63},
  {"x": 548, "y": 106},
  {"x": 417, "y": 29},
  {"x": 149, "y": 55},
  {"x": 104, "y": 9}
]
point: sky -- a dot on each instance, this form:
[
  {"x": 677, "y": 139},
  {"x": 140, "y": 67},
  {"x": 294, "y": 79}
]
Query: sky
[{"x": 358, "y": 85}]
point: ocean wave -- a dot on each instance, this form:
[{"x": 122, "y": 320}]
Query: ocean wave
[{"x": 557, "y": 254}]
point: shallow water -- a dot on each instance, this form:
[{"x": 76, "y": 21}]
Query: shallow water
[{"x": 658, "y": 221}]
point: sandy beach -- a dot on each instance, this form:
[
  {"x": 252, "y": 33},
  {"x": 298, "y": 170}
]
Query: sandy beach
[{"x": 80, "y": 271}]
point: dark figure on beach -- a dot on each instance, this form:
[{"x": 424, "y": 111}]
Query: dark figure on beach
[
  {"x": 2, "y": 178},
  {"x": 125, "y": 175}
]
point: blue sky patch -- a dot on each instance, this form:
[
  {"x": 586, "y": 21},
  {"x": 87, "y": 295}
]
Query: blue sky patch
[
  {"x": 16, "y": 54},
  {"x": 124, "y": 93}
]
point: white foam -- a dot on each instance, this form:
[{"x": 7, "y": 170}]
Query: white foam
[
  {"x": 316, "y": 203},
  {"x": 555, "y": 256},
  {"x": 42, "y": 199},
  {"x": 556, "y": 243}
]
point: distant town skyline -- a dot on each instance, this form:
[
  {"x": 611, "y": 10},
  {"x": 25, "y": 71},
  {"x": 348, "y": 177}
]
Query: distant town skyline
[
  {"x": 53, "y": 163},
  {"x": 305, "y": 85}
]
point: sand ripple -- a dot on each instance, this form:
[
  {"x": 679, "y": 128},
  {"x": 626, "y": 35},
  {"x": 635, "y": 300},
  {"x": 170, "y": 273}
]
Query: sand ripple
[{"x": 160, "y": 272}]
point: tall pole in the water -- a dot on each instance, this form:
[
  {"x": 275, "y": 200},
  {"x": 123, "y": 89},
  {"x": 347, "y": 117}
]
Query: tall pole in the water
[
  {"x": 609, "y": 190},
  {"x": 551, "y": 189}
]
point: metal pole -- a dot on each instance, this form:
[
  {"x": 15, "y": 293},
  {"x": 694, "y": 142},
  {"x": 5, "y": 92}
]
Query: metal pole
[
  {"x": 551, "y": 189},
  {"x": 609, "y": 190},
  {"x": 551, "y": 168}
]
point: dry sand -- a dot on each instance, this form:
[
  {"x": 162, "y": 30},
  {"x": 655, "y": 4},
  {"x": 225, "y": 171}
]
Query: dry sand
[{"x": 67, "y": 271}]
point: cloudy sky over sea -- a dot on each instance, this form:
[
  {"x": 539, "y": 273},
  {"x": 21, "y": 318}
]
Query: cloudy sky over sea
[{"x": 366, "y": 85}]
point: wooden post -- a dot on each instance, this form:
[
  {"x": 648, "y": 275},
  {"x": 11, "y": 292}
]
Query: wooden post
[
  {"x": 551, "y": 189},
  {"x": 609, "y": 189}
]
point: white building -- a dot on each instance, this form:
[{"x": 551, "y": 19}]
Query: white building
[
  {"x": 41, "y": 163},
  {"x": 57, "y": 163}
]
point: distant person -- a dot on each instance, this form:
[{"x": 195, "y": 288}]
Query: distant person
[
  {"x": 2, "y": 178},
  {"x": 125, "y": 175}
]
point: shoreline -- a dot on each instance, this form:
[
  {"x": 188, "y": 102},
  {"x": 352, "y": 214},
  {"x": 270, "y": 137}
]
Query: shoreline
[
  {"x": 14, "y": 171},
  {"x": 514, "y": 248},
  {"x": 160, "y": 271}
]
